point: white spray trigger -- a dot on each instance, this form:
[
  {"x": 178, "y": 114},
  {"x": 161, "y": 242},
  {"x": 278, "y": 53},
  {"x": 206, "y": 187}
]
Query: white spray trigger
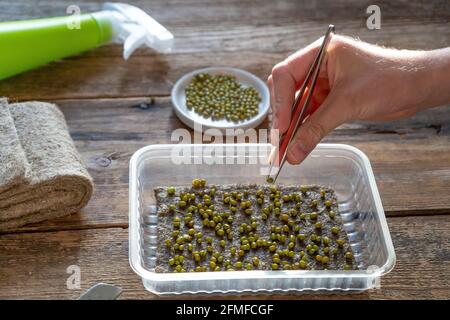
[{"x": 135, "y": 28}]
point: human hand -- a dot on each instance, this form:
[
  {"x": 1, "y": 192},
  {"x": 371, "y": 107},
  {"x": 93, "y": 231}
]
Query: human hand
[{"x": 357, "y": 80}]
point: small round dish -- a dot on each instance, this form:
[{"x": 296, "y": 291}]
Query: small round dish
[{"x": 189, "y": 117}]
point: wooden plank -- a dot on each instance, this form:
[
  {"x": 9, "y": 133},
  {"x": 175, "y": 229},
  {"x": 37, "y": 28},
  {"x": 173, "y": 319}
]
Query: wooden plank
[
  {"x": 195, "y": 12},
  {"x": 225, "y": 34},
  {"x": 33, "y": 265},
  {"x": 416, "y": 147},
  {"x": 409, "y": 157}
]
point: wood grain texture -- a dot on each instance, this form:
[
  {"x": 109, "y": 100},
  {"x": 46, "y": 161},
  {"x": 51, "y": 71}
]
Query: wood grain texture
[
  {"x": 226, "y": 33},
  {"x": 410, "y": 158},
  {"x": 34, "y": 265},
  {"x": 200, "y": 12},
  {"x": 99, "y": 94}
]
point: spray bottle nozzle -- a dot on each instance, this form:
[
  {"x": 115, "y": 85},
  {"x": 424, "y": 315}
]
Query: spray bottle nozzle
[{"x": 135, "y": 28}]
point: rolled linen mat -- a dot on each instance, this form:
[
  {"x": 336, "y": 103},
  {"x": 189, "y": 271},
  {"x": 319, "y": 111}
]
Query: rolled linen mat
[{"x": 41, "y": 172}]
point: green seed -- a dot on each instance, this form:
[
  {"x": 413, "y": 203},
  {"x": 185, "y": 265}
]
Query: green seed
[
  {"x": 196, "y": 183},
  {"x": 322, "y": 193},
  {"x": 170, "y": 191},
  {"x": 187, "y": 238},
  {"x": 286, "y": 266},
  {"x": 335, "y": 230}
]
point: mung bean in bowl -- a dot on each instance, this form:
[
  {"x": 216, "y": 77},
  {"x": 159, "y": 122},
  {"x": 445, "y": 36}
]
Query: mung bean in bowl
[{"x": 220, "y": 98}]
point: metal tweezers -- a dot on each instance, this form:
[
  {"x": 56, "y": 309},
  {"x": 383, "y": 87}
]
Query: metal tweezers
[{"x": 299, "y": 113}]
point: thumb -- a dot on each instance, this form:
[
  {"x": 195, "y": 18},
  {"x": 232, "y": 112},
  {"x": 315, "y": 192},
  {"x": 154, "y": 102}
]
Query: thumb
[{"x": 328, "y": 116}]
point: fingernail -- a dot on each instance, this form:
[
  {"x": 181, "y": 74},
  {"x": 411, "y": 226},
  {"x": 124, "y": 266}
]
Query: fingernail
[{"x": 275, "y": 137}]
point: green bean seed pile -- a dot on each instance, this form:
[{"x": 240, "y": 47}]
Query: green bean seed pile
[
  {"x": 249, "y": 227},
  {"x": 221, "y": 97}
]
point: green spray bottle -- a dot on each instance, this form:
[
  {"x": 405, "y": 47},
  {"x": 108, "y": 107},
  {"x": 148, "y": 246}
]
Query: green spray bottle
[{"x": 25, "y": 45}]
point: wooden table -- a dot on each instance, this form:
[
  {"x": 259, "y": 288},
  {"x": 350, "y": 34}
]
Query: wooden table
[{"x": 99, "y": 94}]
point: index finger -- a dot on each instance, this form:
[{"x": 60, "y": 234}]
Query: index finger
[{"x": 286, "y": 77}]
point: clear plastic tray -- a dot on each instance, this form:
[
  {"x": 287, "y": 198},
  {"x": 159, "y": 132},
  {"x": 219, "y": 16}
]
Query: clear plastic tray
[{"x": 344, "y": 168}]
